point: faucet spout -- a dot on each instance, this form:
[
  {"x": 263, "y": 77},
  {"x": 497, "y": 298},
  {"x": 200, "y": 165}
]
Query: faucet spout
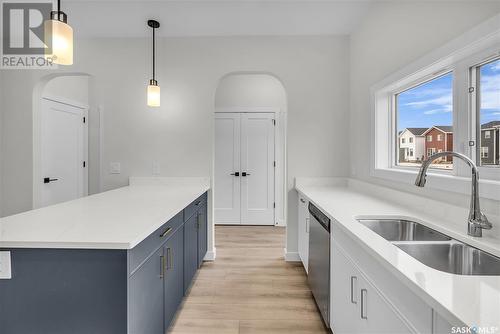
[{"x": 477, "y": 220}]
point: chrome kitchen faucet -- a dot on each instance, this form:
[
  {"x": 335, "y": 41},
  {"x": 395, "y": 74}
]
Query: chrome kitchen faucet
[{"x": 477, "y": 220}]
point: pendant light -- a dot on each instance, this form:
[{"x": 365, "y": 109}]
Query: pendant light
[
  {"x": 61, "y": 36},
  {"x": 153, "y": 88}
]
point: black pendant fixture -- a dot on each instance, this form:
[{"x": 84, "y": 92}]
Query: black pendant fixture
[{"x": 153, "y": 88}]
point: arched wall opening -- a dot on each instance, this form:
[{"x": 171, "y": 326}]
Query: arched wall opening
[
  {"x": 258, "y": 92},
  {"x": 75, "y": 89}
]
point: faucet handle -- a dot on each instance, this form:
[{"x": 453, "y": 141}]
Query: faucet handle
[{"x": 482, "y": 222}]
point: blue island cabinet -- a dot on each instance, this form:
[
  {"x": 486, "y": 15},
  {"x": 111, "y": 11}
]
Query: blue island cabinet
[{"x": 81, "y": 291}]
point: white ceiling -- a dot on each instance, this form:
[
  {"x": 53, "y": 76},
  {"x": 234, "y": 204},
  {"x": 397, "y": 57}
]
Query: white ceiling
[{"x": 127, "y": 18}]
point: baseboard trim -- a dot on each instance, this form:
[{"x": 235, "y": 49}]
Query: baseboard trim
[
  {"x": 292, "y": 256},
  {"x": 280, "y": 223},
  {"x": 210, "y": 256}
]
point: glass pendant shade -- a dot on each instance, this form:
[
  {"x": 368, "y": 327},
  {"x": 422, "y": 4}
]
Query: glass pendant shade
[
  {"x": 153, "y": 94},
  {"x": 61, "y": 37}
]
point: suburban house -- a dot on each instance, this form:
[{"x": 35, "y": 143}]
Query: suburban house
[
  {"x": 490, "y": 133},
  {"x": 438, "y": 139},
  {"x": 412, "y": 144}
]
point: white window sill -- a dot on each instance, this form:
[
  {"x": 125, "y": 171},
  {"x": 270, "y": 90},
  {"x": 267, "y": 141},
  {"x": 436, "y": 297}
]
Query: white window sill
[{"x": 441, "y": 180}]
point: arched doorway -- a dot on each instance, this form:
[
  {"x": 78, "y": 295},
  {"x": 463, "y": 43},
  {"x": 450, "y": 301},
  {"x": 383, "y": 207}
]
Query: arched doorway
[
  {"x": 62, "y": 142},
  {"x": 249, "y": 167}
]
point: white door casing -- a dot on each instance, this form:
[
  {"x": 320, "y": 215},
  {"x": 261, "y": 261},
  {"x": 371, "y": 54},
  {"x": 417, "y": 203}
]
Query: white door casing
[
  {"x": 244, "y": 145},
  {"x": 62, "y": 152},
  {"x": 227, "y": 162}
]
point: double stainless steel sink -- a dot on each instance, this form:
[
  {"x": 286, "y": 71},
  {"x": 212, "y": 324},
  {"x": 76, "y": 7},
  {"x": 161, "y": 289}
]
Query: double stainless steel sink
[{"x": 435, "y": 249}]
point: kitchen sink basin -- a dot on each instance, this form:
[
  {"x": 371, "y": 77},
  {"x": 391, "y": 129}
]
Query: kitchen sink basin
[
  {"x": 454, "y": 257},
  {"x": 403, "y": 230}
]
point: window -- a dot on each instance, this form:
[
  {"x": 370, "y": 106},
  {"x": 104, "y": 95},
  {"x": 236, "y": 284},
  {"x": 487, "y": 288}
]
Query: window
[
  {"x": 410, "y": 140},
  {"x": 453, "y": 91},
  {"x": 411, "y": 152},
  {"x": 439, "y": 137},
  {"x": 484, "y": 152},
  {"x": 430, "y": 151},
  {"x": 402, "y": 140},
  {"x": 423, "y": 106},
  {"x": 487, "y": 77}
]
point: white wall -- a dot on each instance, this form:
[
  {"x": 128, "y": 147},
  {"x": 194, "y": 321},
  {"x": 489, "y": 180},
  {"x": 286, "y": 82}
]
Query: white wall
[
  {"x": 74, "y": 88},
  {"x": 392, "y": 35},
  {"x": 250, "y": 90},
  {"x": 178, "y": 134}
]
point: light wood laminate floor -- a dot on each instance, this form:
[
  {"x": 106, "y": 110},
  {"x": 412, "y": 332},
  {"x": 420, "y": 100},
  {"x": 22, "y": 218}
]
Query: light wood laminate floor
[{"x": 249, "y": 289}]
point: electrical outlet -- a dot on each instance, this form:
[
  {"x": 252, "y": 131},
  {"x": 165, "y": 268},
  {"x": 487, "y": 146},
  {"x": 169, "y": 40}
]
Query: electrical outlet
[
  {"x": 5, "y": 265},
  {"x": 115, "y": 168}
]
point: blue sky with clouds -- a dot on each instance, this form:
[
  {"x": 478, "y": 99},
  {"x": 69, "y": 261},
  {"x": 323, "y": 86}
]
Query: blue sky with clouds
[
  {"x": 490, "y": 92},
  {"x": 426, "y": 105},
  {"x": 432, "y": 103}
]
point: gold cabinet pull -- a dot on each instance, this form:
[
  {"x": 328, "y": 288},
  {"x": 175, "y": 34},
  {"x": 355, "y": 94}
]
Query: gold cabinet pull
[
  {"x": 170, "y": 263},
  {"x": 162, "y": 266},
  {"x": 167, "y": 231}
]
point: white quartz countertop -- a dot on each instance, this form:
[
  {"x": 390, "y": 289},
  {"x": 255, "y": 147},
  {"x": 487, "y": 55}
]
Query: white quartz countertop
[
  {"x": 474, "y": 300},
  {"x": 116, "y": 219}
]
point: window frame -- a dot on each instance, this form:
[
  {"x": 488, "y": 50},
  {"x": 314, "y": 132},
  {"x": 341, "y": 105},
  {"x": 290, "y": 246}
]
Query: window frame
[
  {"x": 474, "y": 64},
  {"x": 457, "y": 56}
]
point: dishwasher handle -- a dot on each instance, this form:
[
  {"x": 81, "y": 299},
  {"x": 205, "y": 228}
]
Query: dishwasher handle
[{"x": 319, "y": 216}]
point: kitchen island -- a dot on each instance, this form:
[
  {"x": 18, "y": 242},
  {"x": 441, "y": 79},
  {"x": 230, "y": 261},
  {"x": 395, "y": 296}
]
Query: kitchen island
[{"x": 116, "y": 262}]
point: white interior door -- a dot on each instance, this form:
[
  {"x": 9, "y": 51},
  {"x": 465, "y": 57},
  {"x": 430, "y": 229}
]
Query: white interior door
[
  {"x": 244, "y": 168},
  {"x": 227, "y": 166},
  {"x": 62, "y": 152},
  {"x": 257, "y": 163}
]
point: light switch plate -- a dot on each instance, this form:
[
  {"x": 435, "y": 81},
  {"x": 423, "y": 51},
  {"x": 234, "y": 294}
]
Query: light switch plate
[
  {"x": 115, "y": 168},
  {"x": 156, "y": 168},
  {"x": 5, "y": 265}
]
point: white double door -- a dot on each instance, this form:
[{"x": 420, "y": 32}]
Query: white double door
[
  {"x": 63, "y": 170},
  {"x": 244, "y": 168}
]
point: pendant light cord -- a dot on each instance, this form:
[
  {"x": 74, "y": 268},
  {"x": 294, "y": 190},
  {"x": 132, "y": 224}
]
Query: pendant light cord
[
  {"x": 154, "y": 52},
  {"x": 58, "y": 5}
]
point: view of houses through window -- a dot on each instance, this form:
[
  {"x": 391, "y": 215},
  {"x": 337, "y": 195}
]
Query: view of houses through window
[
  {"x": 489, "y": 113},
  {"x": 424, "y": 117}
]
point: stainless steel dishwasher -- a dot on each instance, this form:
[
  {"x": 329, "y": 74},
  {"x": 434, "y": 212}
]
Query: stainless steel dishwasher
[{"x": 319, "y": 261}]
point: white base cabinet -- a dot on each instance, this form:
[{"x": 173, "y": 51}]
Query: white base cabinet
[
  {"x": 357, "y": 306},
  {"x": 303, "y": 227},
  {"x": 366, "y": 297}
]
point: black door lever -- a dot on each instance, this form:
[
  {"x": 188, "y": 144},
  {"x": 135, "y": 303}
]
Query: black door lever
[
  {"x": 236, "y": 174},
  {"x": 48, "y": 180},
  {"x": 244, "y": 173}
]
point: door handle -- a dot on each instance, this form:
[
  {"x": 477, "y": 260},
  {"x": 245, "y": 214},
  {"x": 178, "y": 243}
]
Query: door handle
[
  {"x": 245, "y": 174},
  {"x": 235, "y": 174},
  {"x": 363, "y": 304},
  {"x": 48, "y": 180},
  {"x": 353, "y": 279}
]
